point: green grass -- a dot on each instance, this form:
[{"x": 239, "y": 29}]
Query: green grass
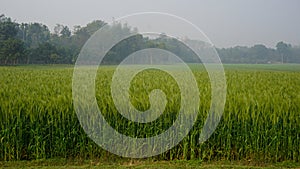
[
  {"x": 261, "y": 120},
  {"x": 63, "y": 163},
  {"x": 264, "y": 67}
]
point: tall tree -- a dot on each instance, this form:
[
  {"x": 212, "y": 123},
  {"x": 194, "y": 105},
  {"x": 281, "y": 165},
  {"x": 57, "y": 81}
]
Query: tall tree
[
  {"x": 283, "y": 50},
  {"x": 36, "y": 33},
  {"x": 92, "y": 27},
  {"x": 8, "y": 28},
  {"x": 258, "y": 54},
  {"x": 11, "y": 48},
  {"x": 61, "y": 30},
  {"x": 45, "y": 53},
  {"x": 12, "y": 51}
]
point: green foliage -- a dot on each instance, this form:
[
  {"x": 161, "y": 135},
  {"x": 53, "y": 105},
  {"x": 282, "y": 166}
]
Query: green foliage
[
  {"x": 11, "y": 48},
  {"x": 284, "y": 53},
  {"x": 68, "y": 45},
  {"x": 8, "y": 29},
  {"x": 35, "y": 34},
  {"x": 45, "y": 53},
  {"x": 260, "y": 121}
]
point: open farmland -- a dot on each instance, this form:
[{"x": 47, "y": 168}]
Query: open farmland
[{"x": 261, "y": 120}]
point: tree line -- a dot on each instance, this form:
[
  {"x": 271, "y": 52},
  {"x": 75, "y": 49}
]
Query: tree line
[
  {"x": 284, "y": 53},
  {"x": 34, "y": 43}
]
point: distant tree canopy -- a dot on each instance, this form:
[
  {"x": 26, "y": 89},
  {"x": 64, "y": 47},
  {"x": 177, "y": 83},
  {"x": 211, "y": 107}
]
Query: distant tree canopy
[
  {"x": 284, "y": 53},
  {"x": 33, "y": 43}
]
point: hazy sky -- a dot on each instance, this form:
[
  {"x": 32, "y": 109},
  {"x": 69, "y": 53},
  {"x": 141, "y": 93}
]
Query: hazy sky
[{"x": 226, "y": 22}]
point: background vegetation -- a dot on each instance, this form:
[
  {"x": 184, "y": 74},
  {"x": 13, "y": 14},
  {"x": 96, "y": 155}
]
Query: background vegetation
[{"x": 34, "y": 43}]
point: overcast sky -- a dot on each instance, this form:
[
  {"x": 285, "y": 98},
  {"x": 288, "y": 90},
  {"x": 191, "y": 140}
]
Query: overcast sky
[{"x": 226, "y": 22}]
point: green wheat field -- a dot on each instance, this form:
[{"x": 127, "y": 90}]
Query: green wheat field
[{"x": 261, "y": 120}]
